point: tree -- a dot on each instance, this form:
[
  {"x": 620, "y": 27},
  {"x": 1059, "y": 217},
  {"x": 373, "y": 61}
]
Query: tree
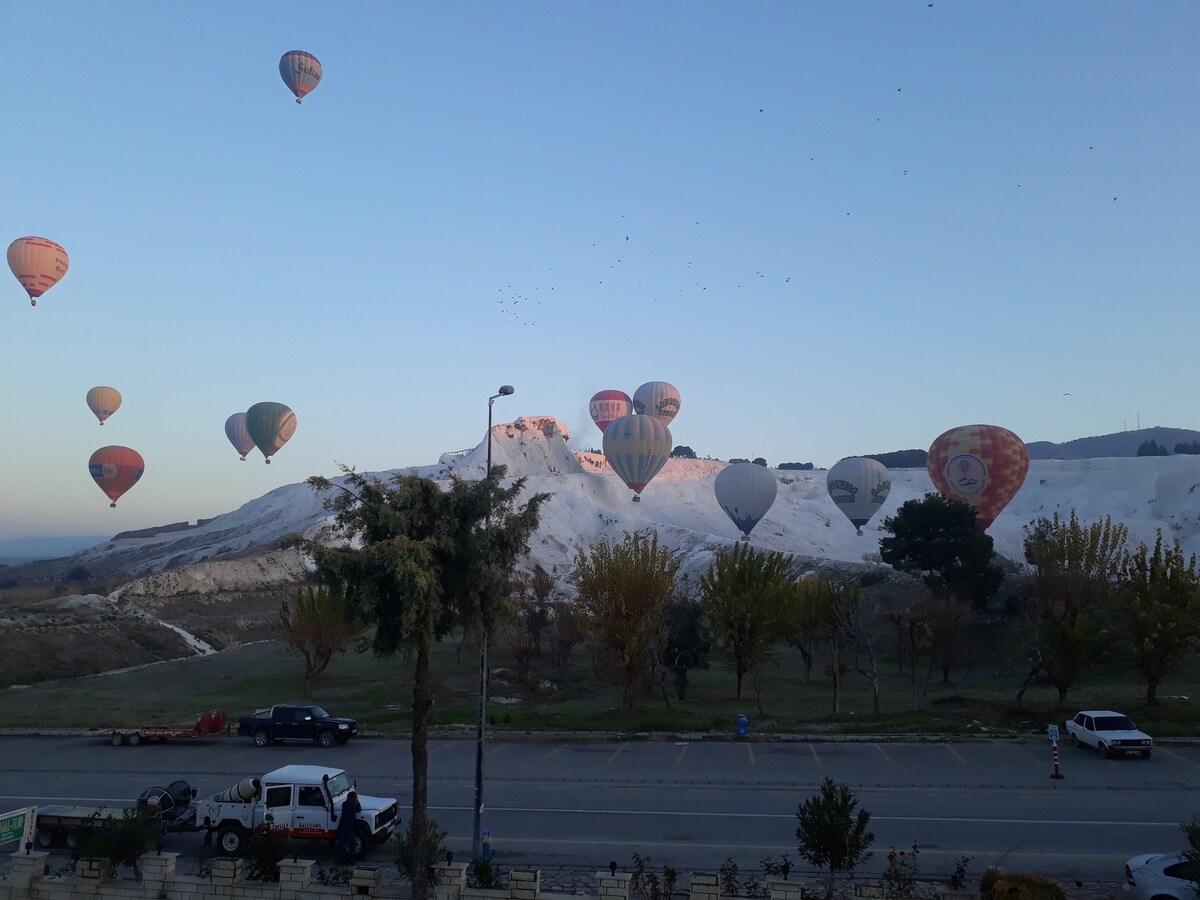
[
  {"x": 683, "y": 452},
  {"x": 854, "y": 618},
  {"x": 759, "y": 461},
  {"x": 1188, "y": 449},
  {"x": 1151, "y": 448},
  {"x": 623, "y": 590},
  {"x": 746, "y": 594},
  {"x": 796, "y": 466},
  {"x": 832, "y": 834},
  {"x": 688, "y": 642},
  {"x": 414, "y": 560},
  {"x": 1075, "y": 569},
  {"x": 317, "y": 624},
  {"x": 1156, "y": 611},
  {"x": 812, "y": 611},
  {"x": 564, "y": 634},
  {"x": 938, "y": 537}
]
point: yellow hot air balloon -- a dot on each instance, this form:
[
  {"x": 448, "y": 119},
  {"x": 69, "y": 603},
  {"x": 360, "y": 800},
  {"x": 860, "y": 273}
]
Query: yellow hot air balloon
[
  {"x": 38, "y": 263},
  {"x": 103, "y": 401}
]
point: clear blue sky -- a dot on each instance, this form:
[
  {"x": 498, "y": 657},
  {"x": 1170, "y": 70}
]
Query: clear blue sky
[{"x": 837, "y": 228}]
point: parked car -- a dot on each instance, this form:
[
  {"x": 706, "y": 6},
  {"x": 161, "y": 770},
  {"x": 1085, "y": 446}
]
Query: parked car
[
  {"x": 1162, "y": 875},
  {"x": 299, "y": 723},
  {"x": 1109, "y": 732}
]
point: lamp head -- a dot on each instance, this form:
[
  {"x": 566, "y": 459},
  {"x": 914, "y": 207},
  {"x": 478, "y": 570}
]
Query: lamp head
[{"x": 505, "y": 390}]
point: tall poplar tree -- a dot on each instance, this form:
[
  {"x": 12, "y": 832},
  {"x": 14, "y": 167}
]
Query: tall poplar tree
[{"x": 415, "y": 560}]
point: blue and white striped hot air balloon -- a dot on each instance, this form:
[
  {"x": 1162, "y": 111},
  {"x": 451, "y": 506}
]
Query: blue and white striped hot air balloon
[
  {"x": 637, "y": 447},
  {"x": 745, "y": 491}
]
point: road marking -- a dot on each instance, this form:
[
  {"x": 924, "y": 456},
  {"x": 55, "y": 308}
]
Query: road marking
[
  {"x": 1038, "y": 762},
  {"x": 750, "y": 751},
  {"x": 617, "y": 752},
  {"x": 1190, "y": 762},
  {"x": 682, "y": 751},
  {"x": 879, "y": 747},
  {"x": 552, "y": 752},
  {"x": 813, "y": 748},
  {"x": 955, "y": 754},
  {"x": 496, "y": 748}
]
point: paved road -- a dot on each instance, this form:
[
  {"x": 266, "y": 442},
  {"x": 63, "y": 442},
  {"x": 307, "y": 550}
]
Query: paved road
[{"x": 691, "y": 805}]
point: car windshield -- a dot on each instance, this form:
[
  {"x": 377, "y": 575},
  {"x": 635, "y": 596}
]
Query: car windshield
[
  {"x": 317, "y": 713},
  {"x": 338, "y": 784},
  {"x": 1114, "y": 723}
]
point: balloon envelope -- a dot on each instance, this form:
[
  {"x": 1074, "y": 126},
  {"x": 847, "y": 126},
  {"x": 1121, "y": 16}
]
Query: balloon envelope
[
  {"x": 858, "y": 486},
  {"x": 658, "y": 399},
  {"x": 608, "y": 405},
  {"x": 270, "y": 426},
  {"x": 982, "y": 465},
  {"x": 637, "y": 447},
  {"x": 103, "y": 401},
  {"x": 116, "y": 470},
  {"x": 745, "y": 491},
  {"x": 300, "y": 71},
  {"x": 38, "y": 263},
  {"x": 239, "y": 436}
]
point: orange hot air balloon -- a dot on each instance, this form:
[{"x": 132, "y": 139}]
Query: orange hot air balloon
[
  {"x": 38, "y": 263},
  {"x": 116, "y": 470},
  {"x": 981, "y": 465},
  {"x": 103, "y": 401}
]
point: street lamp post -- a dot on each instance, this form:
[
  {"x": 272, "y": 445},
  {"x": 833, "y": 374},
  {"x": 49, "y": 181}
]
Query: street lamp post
[{"x": 477, "y": 834}]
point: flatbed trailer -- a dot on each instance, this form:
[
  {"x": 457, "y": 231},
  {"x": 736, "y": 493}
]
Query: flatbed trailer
[
  {"x": 206, "y": 725},
  {"x": 169, "y": 807},
  {"x": 65, "y": 824}
]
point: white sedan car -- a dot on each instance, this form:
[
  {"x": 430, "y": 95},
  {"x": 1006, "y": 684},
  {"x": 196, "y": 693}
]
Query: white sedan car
[{"x": 1162, "y": 876}]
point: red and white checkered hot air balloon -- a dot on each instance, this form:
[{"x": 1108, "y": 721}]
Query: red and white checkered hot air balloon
[
  {"x": 980, "y": 465},
  {"x": 38, "y": 263},
  {"x": 300, "y": 71}
]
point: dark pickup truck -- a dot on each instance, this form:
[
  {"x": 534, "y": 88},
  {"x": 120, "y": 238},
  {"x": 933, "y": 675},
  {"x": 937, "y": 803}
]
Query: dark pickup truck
[{"x": 297, "y": 723}]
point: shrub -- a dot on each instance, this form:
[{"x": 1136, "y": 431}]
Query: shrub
[
  {"x": 997, "y": 885},
  {"x": 120, "y": 840},
  {"x": 264, "y": 852}
]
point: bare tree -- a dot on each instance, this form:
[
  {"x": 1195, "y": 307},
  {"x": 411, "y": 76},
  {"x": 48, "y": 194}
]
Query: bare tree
[
  {"x": 854, "y": 617},
  {"x": 317, "y": 623}
]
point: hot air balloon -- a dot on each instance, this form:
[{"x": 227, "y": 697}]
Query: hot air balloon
[
  {"x": 983, "y": 465},
  {"x": 301, "y": 72},
  {"x": 239, "y": 436},
  {"x": 658, "y": 399},
  {"x": 38, "y": 263},
  {"x": 745, "y": 491},
  {"x": 859, "y": 486},
  {"x": 608, "y": 405},
  {"x": 103, "y": 401},
  {"x": 637, "y": 447},
  {"x": 270, "y": 426},
  {"x": 116, "y": 470}
]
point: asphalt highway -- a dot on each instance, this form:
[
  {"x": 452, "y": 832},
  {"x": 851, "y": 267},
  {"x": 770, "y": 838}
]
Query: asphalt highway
[{"x": 689, "y": 804}]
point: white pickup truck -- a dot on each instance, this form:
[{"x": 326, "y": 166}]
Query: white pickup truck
[
  {"x": 1109, "y": 732},
  {"x": 305, "y": 800}
]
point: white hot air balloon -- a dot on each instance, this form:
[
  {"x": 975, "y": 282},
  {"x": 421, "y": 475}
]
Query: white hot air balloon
[
  {"x": 658, "y": 399},
  {"x": 745, "y": 491},
  {"x": 637, "y": 447},
  {"x": 859, "y": 486}
]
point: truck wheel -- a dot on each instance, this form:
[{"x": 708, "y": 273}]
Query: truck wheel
[
  {"x": 261, "y": 738},
  {"x": 71, "y": 838},
  {"x": 362, "y": 839},
  {"x": 135, "y": 739},
  {"x": 45, "y": 838},
  {"x": 231, "y": 839},
  {"x": 1103, "y": 748},
  {"x": 117, "y": 739},
  {"x": 326, "y": 739},
  {"x": 1079, "y": 743}
]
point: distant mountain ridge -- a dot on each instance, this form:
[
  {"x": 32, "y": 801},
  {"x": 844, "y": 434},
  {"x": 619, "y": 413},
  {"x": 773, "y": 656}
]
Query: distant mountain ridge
[{"x": 1122, "y": 443}]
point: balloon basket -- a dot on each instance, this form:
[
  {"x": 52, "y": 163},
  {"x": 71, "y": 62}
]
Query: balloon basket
[
  {"x": 637, "y": 499},
  {"x": 267, "y": 461},
  {"x": 113, "y": 505}
]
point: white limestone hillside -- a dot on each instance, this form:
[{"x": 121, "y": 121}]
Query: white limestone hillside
[{"x": 590, "y": 503}]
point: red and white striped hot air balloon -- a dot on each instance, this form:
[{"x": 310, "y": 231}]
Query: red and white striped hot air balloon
[{"x": 38, "y": 263}]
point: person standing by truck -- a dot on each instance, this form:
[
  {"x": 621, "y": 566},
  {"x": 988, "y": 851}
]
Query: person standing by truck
[{"x": 346, "y": 829}]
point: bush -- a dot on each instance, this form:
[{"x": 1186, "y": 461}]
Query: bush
[
  {"x": 265, "y": 850},
  {"x": 997, "y": 885},
  {"x": 120, "y": 840}
]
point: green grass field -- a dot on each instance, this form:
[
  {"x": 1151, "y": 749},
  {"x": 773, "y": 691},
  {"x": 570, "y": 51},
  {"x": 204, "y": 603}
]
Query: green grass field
[{"x": 978, "y": 700}]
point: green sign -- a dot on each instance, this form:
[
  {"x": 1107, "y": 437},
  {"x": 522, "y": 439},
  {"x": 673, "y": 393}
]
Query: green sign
[{"x": 13, "y": 825}]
